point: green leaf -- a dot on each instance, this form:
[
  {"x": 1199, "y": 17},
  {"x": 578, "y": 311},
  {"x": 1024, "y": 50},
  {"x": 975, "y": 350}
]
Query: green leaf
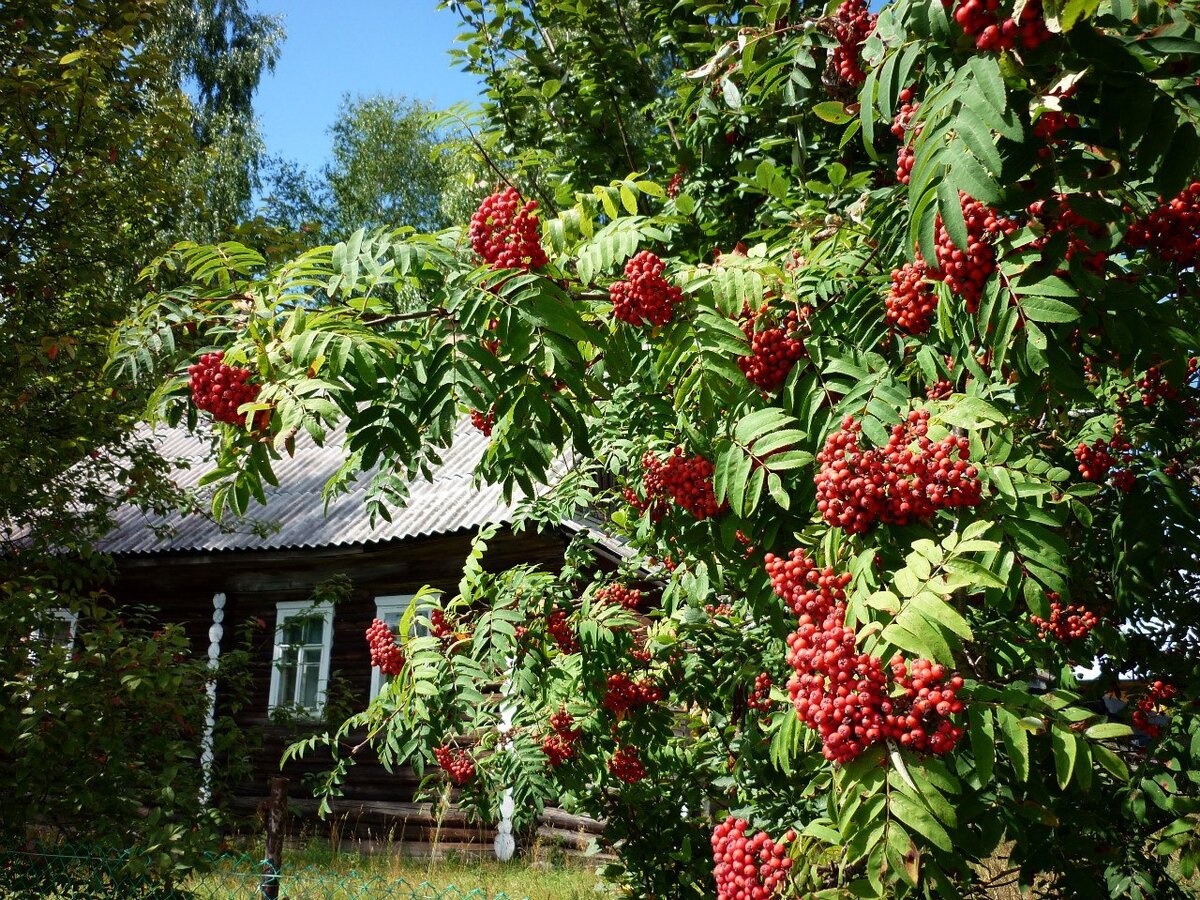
[
  {"x": 983, "y": 741},
  {"x": 1044, "y": 309},
  {"x": 986, "y": 70},
  {"x": 1107, "y": 730},
  {"x": 921, "y": 820},
  {"x": 1065, "y": 746},
  {"x": 832, "y": 111},
  {"x": 1016, "y": 740}
]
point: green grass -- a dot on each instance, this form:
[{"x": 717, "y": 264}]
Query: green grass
[{"x": 318, "y": 872}]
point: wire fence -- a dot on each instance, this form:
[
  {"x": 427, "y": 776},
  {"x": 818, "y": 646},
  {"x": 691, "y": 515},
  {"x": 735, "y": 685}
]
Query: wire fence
[{"x": 63, "y": 873}]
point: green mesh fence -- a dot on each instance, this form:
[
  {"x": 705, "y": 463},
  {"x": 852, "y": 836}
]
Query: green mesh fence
[{"x": 69, "y": 874}]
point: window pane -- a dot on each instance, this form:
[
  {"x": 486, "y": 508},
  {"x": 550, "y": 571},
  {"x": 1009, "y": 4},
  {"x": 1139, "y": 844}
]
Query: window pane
[
  {"x": 293, "y": 632},
  {"x": 392, "y": 617},
  {"x": 314, "y": 630},
  {"x": 308, "y": 688},
  {"x": 287, "y": 679}
]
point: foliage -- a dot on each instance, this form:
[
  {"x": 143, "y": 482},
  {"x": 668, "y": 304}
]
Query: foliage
[
  {"x": 103, "y": 731},
  {"x": 393, "y": 163},
  {"x": 1034, "y": 445}
]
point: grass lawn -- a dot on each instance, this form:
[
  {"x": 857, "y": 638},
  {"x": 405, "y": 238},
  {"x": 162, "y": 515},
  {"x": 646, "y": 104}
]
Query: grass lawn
[{"x": 317, "y": 872}]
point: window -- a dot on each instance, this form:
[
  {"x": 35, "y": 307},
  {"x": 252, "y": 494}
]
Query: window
[
  {"x": 300, "y": 671},
  {"x": 391, "y": 610},
  {"x": 62, "y": 632}
]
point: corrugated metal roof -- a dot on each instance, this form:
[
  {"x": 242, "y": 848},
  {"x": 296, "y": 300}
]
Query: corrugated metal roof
[{"x": 450, "y": 502}]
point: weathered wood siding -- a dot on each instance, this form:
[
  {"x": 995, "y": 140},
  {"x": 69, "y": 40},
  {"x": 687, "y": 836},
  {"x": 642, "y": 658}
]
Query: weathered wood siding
[{"x": 376, "y": 804}]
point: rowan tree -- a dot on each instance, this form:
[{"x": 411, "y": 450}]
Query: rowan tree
[{"x": 920, "y": 535}]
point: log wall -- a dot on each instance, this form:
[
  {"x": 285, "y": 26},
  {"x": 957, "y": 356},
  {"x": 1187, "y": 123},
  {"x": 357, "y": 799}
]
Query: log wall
[{"x": 376, "y": 805}]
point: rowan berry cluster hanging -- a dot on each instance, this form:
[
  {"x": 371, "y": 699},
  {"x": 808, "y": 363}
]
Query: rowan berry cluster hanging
[
  {"x": 1159, "y": 693},
  {"x": 644, "y": 297},
  {"x": 853, "y": 23},
  {"x": 622, "y": 694},
  {"x": 1085, "y": 238},
  {"x": 931, "y": 695},
  {"x": 773, "y": 351},
  {"x": 905, "y": 131},
  {"x": 687, "y": 480},
  {"x": 385, "y": 653},
  {"x": 982, "y": 20},
  {"x": 439, "y": 625},
  {"x": 748, "y": 868},
  {"x": 456, "y": 763},
  {"x": 805, "y": 588},
  {"x": 1066, "y": 624},
  {"x": 912, "y": 301},
  {"x": 1172, "y": 231},
  {"x": 561, "y": 632},
  {"x": 626, "y": 764},
  {"x": 484, "y": 421},
  {"x": 966, "y": 271},
  {"x": 844, "y": 695},
  {"x": 1096, "y": 461},
  {"x": 504, "y": 232},
  {"x": 559, "y": 744},
  {"x": 908, "y": 479},
  {"x": 622, "y": 595},
  {"x": 760, "y": 696},
  {"x": 220, "y": 389}
]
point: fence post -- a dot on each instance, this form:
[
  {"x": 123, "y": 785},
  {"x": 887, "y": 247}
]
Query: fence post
[{"x": 276, "y": 825}]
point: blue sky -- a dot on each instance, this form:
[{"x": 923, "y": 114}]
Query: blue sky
[{"x": 356, "y": 46}]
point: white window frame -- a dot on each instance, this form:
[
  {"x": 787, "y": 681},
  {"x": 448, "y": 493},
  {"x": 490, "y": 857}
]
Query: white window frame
[
  {"x": 289, "y": 609},
  {"x": 72, "y": 619},
  {"x": 387, "y": 603}
]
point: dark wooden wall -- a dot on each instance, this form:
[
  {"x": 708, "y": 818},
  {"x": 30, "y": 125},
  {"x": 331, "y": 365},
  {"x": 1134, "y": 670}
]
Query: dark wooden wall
[{"x": 376, "y": 804}]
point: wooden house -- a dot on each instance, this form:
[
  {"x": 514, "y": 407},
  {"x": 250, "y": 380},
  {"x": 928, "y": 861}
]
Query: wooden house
[{"x": 210, "y": 580}]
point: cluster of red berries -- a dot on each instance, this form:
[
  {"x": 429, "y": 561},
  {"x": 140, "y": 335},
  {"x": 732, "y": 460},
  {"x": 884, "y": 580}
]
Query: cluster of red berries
[
  {"x": 559, "y": 745},
  {"x": 803, "y": 587},
  {"x": 1094, "y": 461},
  {"x": 1159, "y": 692},
  {"x": 623, "y": 694},
  {"x": 966, "y": 271},
  {"x": 626, "y": 764},
  {"x": 484, "y": 421},
  {"x": 688, "y": 480},
  {"x": 505, "y": 232},
  {"x": 385, "y": 654},
  {"x": 675, "y": 185},
  {"x": 1172, "y": 231},
  {"x": 905, "y": 132},
  {"x": 220, "y": 389},
  {"x": 748, "y": 868},
  {"x": 773, "y": 351},
  {"x": 644, "y": 297},
  {"x": 836, "y": 691},
  {"x": 620, "y": 594},
  {"x": 843, "y": 694},
  {"x": 911, "y": 477},
  {"x": 439, "y": 626},
  {"x": 932, "y": 696},
  {"x": 853, "y": 23},
  {"x": 1047, "y": 127},
  {"x": 1083, "y": 235},
  {"x": 981, "y": 20},
  {"x": 911, "y": 301},
  {"x": 940, "y": 389},
  {"x": 1071, "y": 623},
  {"x": 760, "y": 697},
  {"x": 1156, "y": 388},
  {"x": 561, "y": 632},
  {"x": 456, "y": 763}
]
